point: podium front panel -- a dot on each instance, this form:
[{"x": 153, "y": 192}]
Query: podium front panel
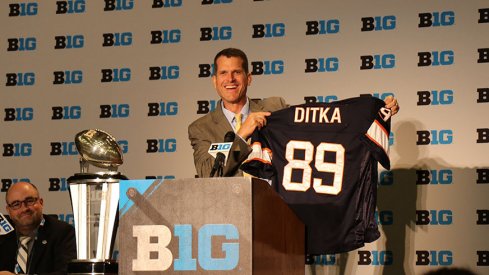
[{"x": 189, "y": 226}]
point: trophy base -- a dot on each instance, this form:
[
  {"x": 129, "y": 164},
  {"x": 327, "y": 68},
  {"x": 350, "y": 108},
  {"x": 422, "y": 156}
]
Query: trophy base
[{"x": 93, "y": 267}]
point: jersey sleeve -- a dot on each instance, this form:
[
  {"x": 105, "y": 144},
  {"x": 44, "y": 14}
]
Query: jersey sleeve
[
  {"x": 259, "y": 161},
  {"x": 377, "y": 137}
]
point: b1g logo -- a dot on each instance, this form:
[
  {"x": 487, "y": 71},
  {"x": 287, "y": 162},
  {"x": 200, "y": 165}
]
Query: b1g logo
[
  {"x": 483, "y": 95},
  {"x": 68, "y": 218},
  {"x": 385, "y": 217},
  {"x": 383, "y": 257},
  {"x": 435, "y": 58},
  {"x": 322, "y": 27},
  {"x": 378, "y": 23},
  {"x": 164, "y": 72},
  {"x": 117, "y": 39},
  {"x": 5, "y": 225},
  {"x": 206, "y": 106},
  {"x": 483, "y": 55},
  {"x": 162, "y": 109},
  {"x": 23, "y": 9},
  {"x": 66, "y": 112},
  {"x": 381, "y": 95},
  {"x": 267, "y": 67},
  {"x": 434, "y": 257},
  {"x": 444, "y": 176},
  {"x": 114, "y": 111},
  {"x": 69, "y": 42},
  {"x": 124, "y": 145},
  {"x": 116, "y": 75},
  {"x": 320, "y": 99},
  {"x": 268, "y": 30},
  {"x": 434, "y": 217},
  {"x": 205, "y": 70},
  {"x": 386, "y": 178},
  {"x": 443, "y": 97},
  {"x": 118, "y": 5},
  {"x": 6, "y": 183},
  {"x": 482, "y": 216},
  {"x": 166, "y": 36},
  {"x": 220, "y": 147},
  {"x": 20, "y": 79},
  {"x": 58, "y": 185},
  {"x": 436, "y": 19},
  {"x": 378, "y": 62},
  {"x": 482, "y": 135},
  {"x": 168, "y": 145},
  {"x": 434, "y": 137},
  {"x": 68, "y": 77},
  {"x": 162, "y": 256},
  {"x": 216, "y": 33},
  {"x": 482, "y": 176},
  {"x": 19, "y": 114},
  {"x": 70, "y": 6},
  {"x": 326, "y": 259},
  {"x": 322, "y": 64},
  {"x": 21, "y": 44},
  {"x": 157, "y": 4},
  {"x": 208, "y": 2},
  {"x": 17, "y": 149},
  {"x": 63, "y": 148},
  {"x": 483, "y": 16},
  {"x": 482, "y": 258}
]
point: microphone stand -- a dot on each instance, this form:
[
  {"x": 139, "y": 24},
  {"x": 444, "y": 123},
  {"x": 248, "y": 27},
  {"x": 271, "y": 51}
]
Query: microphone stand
[{"x": 218, "y": 165}]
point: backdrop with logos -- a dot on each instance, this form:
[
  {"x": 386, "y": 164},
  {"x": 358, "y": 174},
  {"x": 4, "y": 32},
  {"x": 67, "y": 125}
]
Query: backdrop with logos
[{"x": 140, "y": 70}]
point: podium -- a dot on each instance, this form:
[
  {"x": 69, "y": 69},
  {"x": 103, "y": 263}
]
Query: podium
[{"x": 207, "y": 226}]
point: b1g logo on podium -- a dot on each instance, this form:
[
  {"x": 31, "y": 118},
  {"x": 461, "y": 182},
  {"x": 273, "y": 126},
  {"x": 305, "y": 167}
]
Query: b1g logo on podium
[{"x": 153, "y": 253}]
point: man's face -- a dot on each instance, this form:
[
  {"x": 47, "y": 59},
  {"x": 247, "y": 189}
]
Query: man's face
[
  {"x": 26, "y": 216},
  {"x": 230, "y": 80}
]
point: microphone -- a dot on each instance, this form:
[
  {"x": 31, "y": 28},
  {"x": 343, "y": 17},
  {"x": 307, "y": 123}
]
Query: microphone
[
  {"x": 220, "y": 152},
  {"x": 5, "y": 226}
]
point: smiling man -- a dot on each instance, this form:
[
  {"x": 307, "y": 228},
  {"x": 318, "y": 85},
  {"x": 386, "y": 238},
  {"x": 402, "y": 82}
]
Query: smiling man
[
  {"x": 40, "y": 244},
  {"x": 231, "y": 79}
]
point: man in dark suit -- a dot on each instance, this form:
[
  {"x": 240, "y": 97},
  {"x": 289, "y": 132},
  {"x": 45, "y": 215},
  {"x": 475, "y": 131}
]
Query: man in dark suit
[
  {"x": 51, "y": 242},
  {"x": 231, "y": 79}
]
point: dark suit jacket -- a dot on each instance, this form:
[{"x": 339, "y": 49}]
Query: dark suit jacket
[
  {"x": 54, "y": 247},
  {"x": 213, "y": 126}
]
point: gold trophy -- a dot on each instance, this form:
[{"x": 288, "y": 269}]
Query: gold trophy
[{"x": 95, "y": 198}]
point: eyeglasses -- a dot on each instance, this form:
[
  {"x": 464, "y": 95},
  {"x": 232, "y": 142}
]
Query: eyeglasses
[{"x": 30, "y": 201}]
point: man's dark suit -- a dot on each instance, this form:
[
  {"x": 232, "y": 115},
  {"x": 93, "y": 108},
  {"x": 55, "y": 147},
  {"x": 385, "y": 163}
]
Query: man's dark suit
[
  {"x": 54, "y": 247},
  {"x": 212, "y": 127}
]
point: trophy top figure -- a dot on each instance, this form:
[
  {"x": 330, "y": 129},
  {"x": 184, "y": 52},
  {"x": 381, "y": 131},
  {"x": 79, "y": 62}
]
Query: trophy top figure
[{"x": 98, "y": 148}]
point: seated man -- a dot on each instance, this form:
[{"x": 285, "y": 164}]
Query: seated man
[{"x": 39, "y": 244}]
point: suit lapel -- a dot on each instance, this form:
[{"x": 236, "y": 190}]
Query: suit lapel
[
  {"x": 39, "y": 247},
  {"x": 220, "y": 121},
  {"x": 255, "y": 107}
]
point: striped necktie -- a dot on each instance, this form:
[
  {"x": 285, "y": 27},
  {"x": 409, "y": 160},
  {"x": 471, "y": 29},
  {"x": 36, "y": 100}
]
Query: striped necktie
[
  {"x": 22, "y": 255},
  {"x": 238, "y": 118}
]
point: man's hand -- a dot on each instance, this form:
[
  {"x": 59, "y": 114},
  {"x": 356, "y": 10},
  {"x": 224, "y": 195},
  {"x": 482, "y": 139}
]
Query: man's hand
[
  {"x": 392, "y": 104},
  {"x": 6, "y": 273},
  {"x": 253, "y": 121}
]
